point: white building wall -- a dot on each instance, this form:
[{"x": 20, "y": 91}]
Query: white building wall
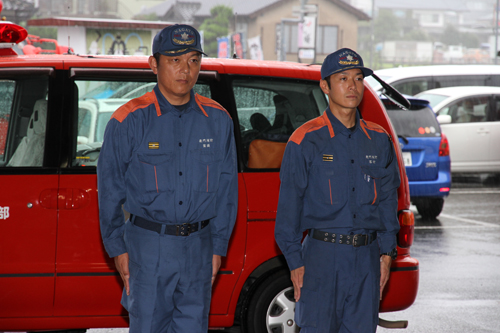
[{"x": 74, "y": 37}]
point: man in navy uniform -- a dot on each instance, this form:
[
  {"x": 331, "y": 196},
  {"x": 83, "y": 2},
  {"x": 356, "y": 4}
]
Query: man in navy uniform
[
  {"x": 339, "y": 180},
  {"x": 169, "y": 158}
]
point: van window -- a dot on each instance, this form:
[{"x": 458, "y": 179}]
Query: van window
[
  {"x": 467, "y": 110},
  {"x": 23, "y": 120},
  {"x": 269, "y": 110},
  {"x": 413, "y": 86},
  {"x": 461, "y": 80},
  {"x": 97, "y": 100}
]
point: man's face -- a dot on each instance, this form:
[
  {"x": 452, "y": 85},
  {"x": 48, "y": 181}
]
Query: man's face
[
  {"x": 177, "y": 75},
  {"x": 346, "y": 89}
]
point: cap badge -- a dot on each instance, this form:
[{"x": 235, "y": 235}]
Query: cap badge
[
  {"x": 349, "y": 60},
  {"x": 183, "y": 36}
]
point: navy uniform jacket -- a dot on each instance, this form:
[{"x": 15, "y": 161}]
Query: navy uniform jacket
[
  {"x": 168, "y": 166},
  {"x": 332, "y": 177}
]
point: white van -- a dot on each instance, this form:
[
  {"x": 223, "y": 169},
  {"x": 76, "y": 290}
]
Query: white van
[{"x": 412, "y": 80}]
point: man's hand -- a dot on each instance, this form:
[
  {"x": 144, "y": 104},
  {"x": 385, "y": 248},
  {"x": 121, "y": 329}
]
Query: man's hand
[
  {"x": 297, "y": 277},
  {"x": 216, "y": 262},
  {"x": 385, "y": 272},
  {"x": 121, "y": 263}
]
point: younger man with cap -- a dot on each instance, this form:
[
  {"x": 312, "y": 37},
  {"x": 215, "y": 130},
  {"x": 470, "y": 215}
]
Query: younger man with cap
[
  {"x": 339, "y": 180},
  {"x": 169, "y": 158}
]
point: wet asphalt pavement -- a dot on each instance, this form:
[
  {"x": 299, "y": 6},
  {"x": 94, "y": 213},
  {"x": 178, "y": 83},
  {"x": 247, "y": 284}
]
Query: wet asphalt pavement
[{"x": 459, "y": 255}]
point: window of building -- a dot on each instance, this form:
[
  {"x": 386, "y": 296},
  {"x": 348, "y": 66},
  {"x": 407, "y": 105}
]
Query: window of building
[{"x": 326, "y": 39}]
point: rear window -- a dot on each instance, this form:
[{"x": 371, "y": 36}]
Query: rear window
[{"x": 419, "y": 121}]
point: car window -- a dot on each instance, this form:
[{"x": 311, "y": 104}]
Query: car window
[
  {"x": 463, "y": 80},
  {"x": 467, "y": 110},
  {"x": 23, "y": 115},
  {"x": 6, "y": 96},
  {"x": 433, "y": 99},
  {"x": 418, "y": 121},
  {"x": 269, "y": 110},
  {"x": 412, "y": 87},
  {"x": 494, "y": 114},
  {"x": 97, "y": 100}
]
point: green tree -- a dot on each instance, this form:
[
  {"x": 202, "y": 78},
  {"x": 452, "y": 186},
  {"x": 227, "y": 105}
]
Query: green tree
[
  {"x": 450, "y": 36},
  {"x": 386, "y": 27},
  {"x": 147, "y": 17},
  {"x": 216, "y": 26},
  {"x": 43, "y": 32},
  {"x": 417, "y": 35}
]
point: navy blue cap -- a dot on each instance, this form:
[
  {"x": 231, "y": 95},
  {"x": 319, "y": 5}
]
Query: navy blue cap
[
  {"x": 176, "y": 40},
  {"x": 341, "y": 60}
]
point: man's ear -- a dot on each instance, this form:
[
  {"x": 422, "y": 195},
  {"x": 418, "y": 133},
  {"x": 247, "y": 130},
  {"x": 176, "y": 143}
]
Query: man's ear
[
  {"x": 153, "y": 64},
  {"x": 324, "y": 86}
]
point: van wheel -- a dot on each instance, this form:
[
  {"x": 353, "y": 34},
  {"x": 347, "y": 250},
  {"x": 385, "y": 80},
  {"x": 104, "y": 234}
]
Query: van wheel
[
  {"x": 430, "y": 208},
  {"x": 272, "y": 307}
]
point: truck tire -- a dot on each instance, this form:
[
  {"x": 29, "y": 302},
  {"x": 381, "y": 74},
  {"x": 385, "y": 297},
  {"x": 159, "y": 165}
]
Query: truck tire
[
  {"x": 272, "y": 307},
  {"x": 430, "y": 208}
]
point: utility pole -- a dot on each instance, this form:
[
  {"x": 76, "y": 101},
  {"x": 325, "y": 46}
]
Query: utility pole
[
  {"x": 372, "y": 34},
  {"x": 282, "y": 55},
  {"x": 496, "y": 33}
]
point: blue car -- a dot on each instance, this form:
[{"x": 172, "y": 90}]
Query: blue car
[{"x": 426, "y": 155}]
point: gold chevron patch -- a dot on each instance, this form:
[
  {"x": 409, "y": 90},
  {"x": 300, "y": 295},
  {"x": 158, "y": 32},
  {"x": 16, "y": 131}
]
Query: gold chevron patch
[{"x": 154, "y": 145}]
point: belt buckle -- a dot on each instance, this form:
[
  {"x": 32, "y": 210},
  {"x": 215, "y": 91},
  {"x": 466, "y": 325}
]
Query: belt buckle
[
  {"x": 185, "y": 229},
  {"x": 357, "y": 243}
]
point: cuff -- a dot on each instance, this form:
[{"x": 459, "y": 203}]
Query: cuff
[
  {"x": 219, "y": 246},
  {"x": 115, "y": 247},
  {"x": 386, "y": 242},
  {"x": 294, "y": 260}
]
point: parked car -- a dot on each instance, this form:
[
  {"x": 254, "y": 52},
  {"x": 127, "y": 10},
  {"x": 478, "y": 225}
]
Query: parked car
[
  {"x": 426, "y": 155},
  {"x": 413, "y": 80},
  {"x": 54, "y": 272},
  {"x": 470, "y": 118}
]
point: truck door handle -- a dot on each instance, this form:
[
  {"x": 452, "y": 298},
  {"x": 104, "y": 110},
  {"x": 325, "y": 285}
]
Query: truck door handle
[{"x": 483, "y": 131}]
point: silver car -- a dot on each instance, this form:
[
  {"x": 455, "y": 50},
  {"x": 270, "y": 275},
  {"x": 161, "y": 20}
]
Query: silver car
[{"x": 470, "y": 118}]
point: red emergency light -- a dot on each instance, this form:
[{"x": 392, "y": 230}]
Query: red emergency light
[{"x": 12, "y": 33}]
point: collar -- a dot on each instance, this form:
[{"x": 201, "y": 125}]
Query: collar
[
  {"x": 338, "y": 127},
  {"x": 165, "y": 106}
]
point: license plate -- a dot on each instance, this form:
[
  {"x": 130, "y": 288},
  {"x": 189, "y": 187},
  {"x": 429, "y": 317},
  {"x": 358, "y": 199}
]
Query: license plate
[{"x": 407, "y": 159}]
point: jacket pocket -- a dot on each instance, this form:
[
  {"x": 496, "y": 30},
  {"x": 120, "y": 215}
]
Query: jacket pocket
[
  {"x": 370, "y": 184},
  {"x": 207, "y": 168},
  {"x": 155, "y": 172}
]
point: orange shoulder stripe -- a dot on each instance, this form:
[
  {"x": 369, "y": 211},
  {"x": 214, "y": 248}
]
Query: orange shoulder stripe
[
  {"x": 202, "y": 100},
  {"x": 369, "y": 125},
  {"x": 311, "y": 126},
  {"x": 137, "y": 103}
]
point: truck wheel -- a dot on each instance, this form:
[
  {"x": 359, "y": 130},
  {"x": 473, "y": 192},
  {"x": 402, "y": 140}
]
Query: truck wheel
[
  {"x": 272, "y": 307},
  {"x": 430, "y": 208}
]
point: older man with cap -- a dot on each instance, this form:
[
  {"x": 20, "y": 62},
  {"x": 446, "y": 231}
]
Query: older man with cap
[
  {"x": 339, "y": 180},
  {"x": 169, "y": 159}
]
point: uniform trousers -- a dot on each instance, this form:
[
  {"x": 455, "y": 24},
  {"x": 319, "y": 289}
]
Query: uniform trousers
[
  {"x": 170, "y": 280},
  {"x": 341, "y": 288}
]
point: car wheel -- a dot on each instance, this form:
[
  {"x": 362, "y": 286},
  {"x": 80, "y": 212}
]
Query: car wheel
[
  {"x": 430, "y": 208},
  {"x": 272, "y": 307}
]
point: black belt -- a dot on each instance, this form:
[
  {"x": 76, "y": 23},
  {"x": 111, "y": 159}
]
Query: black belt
[
  {"x": 184, "y": 229},
  {"x": 354, "y": 240}
]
